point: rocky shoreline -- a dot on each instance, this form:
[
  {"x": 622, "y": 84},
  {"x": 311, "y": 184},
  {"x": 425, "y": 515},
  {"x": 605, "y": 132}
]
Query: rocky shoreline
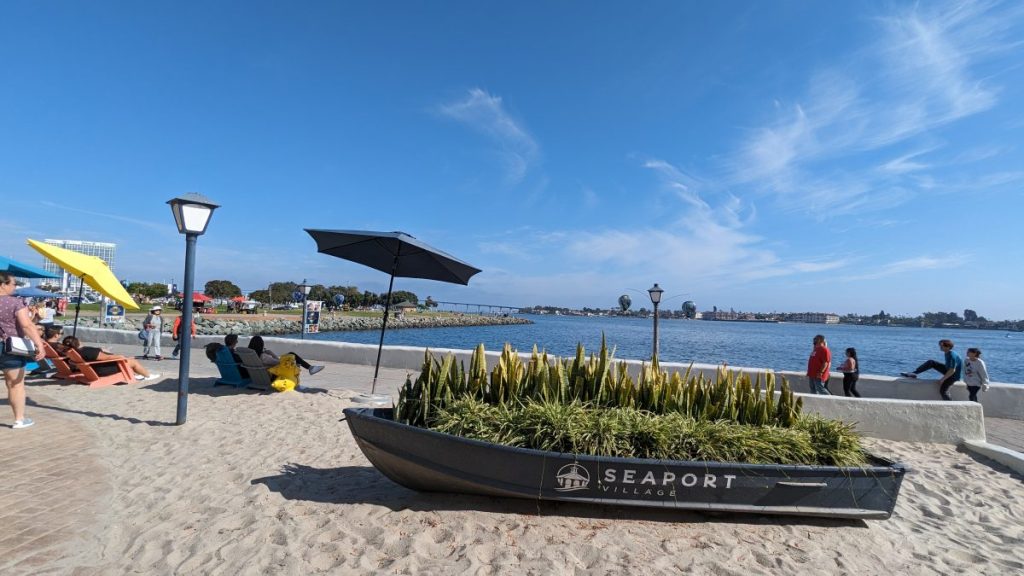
[{"x": 212, "y": 324}]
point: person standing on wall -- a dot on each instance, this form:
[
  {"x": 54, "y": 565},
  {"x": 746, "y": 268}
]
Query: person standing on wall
[
  {"x": 818, "y": 366},
  {"x": 153, "y": 323},
  {"x": 15, "y": 322},
  {"x": 176, "y": 334},
  {"x": 951, "y": 369}
]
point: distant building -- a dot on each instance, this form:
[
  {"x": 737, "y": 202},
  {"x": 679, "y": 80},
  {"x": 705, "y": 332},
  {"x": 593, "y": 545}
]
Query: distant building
[
  {"x": 103, "y": 250},
  {"x": 814, "y": 318},
  {"x": 720, "y": 315}
]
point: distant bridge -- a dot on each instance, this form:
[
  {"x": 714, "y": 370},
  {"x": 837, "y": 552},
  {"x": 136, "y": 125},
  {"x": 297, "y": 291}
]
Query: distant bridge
[{"x": 476, "y": 308}]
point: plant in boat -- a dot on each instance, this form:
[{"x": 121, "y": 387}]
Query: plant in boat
[{"x": 592, "y": 405}]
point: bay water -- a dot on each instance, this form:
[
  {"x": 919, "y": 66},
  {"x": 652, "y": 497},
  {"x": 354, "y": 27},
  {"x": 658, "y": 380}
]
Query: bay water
[{"x": 783, "y": 346}]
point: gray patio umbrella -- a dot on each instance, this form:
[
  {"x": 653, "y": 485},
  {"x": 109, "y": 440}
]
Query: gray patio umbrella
[{"x": 394, "y": 253}]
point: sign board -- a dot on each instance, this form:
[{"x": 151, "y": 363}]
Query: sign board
[
  {"x": 113, "y": 312},
  {"x": 311, "y": 316}
]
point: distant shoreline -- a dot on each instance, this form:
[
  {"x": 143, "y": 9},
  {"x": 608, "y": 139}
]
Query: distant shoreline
[{"x": 244, "y": 324}]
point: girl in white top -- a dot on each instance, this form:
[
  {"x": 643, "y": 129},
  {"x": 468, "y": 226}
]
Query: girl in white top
[{"x": 975, "y": 373}]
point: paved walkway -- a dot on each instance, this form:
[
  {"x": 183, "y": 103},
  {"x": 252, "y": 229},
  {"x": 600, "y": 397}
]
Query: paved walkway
[
  {"x": 55, "y": 487},
  {"x": 1006, "y": 433}
]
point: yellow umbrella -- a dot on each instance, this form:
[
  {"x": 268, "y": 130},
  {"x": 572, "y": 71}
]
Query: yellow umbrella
[{"x": 92, "y": 270}]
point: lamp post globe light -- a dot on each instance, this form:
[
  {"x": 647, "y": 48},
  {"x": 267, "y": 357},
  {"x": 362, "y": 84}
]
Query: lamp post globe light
[
  {"x": 305, "y": 288},
  {"x": 191, "y": 214},
  {"x": 655, "y": 292}
]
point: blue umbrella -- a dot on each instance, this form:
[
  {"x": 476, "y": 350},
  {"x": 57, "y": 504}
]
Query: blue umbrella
[
  {"x": 15, "y": 268},
  {"x": 32, "y": 292}
]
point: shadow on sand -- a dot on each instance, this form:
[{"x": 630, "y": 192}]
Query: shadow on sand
[
  {"x": 202, "y": 386},
  {"x": 365, "y": 485}
]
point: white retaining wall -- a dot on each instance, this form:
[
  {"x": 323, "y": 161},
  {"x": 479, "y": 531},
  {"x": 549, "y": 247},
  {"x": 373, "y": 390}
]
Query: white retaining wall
[{"x": 893, "y": 408}]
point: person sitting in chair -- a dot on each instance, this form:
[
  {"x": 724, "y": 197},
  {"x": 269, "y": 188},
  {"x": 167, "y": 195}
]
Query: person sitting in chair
[
  {"x": 52, "y": 335},
  {"x": 270, "y": 359},
  {"x": 93, "y": 354},
  {"x": 231, "y": 342}
]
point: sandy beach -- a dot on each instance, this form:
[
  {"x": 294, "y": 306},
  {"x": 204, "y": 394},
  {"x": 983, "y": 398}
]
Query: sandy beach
[{"x": 275, "y": 484}]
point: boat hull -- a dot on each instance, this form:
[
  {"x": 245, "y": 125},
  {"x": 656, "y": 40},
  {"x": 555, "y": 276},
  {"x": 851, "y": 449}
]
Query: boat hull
[{"x": 425, "y": 460}]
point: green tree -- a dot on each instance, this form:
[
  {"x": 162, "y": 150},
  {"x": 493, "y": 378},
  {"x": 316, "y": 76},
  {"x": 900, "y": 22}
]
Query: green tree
[
  {"x": 402, "y": 296},
  {"x": 261, "y": 296},
  {"x": 320, "y": 292},
  {"x": 370, "y": 299},
  {"x": 221, "y": 289},
  {"x": 147, "y": 290}
]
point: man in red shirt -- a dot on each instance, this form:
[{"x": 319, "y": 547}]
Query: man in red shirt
[{"x": 818, "y": 366}]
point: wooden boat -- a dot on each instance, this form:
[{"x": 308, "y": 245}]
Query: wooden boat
[{"x": 425, "y": 460}]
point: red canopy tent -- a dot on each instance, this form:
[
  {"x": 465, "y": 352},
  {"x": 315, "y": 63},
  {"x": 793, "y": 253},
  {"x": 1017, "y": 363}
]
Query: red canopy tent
[
  {"x": 238, "y": 299},
  {"x": 197, "y": 297}
]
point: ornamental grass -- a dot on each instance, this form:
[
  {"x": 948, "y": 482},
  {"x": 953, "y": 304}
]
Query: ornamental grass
[{"x": 593, "y": 406}]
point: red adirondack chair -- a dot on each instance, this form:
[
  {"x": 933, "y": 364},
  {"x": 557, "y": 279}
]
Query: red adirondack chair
[{"x": 124, "y": 375}]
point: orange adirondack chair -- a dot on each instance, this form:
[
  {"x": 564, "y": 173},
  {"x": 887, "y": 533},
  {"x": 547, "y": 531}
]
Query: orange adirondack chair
[
  {"x": 64, "y": 370},
  {"x": 125, "y": 375}
]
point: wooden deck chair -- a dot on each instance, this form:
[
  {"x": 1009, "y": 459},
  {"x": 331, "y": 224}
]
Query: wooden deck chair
[
  {"x": 64, "y": 370},
  {"x": 229, "y": 374},
  {"x": 124, "y": 375},
  {"x": 261, "y": 379}
]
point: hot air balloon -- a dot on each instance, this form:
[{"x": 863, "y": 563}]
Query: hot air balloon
[
  {"x": 689, "y": 309},
  {"x": 624, "y": 302}
]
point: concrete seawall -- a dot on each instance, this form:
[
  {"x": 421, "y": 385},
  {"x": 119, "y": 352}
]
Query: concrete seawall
[{"x": 893, "y": 408}]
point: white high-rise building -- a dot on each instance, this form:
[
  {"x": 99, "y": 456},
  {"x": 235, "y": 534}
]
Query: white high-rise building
[{"x": 103, "y": 250}]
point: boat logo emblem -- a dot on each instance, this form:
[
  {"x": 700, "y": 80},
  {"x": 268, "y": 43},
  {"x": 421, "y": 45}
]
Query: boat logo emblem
[{"x": 572, "y": 477}]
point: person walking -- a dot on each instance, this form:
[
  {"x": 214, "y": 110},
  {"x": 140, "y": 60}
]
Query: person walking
[
  {"x": 818, "y": 366},
  {"x": 153, "y": 323},
  {"x": 975, "y": 373},
  {"x": 951, "y": 368},
  {"x": 15, "y": 322},
  {"x": 176, "y": 334},
  {"x": 851, "y": 373}
]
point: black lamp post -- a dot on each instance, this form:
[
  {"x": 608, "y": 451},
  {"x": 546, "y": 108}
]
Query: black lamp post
[
  {"x": 655, "y": 293},
  {"x": 305, "y": 294},
  {"x": 191, "y": 214}
]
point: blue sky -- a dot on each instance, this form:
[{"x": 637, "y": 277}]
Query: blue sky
[{"x": 787, "y": 156}]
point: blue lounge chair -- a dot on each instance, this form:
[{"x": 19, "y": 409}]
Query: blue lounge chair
[{"x": 229, "y": 373}]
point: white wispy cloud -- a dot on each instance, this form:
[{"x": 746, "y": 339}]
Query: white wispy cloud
[
  {"x": 486, "y": 114},
  {"x": 919, "y": 74},
  {"x": 162, "y": 226},
  {"x": 905, "y": 164},
  {"x": 910, "y": 265},
  {"x": 704, "y": 243}
]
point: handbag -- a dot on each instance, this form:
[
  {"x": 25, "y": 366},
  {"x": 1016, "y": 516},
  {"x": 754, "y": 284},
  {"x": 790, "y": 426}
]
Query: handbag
[
  {"x": 16, "y": 346},
  {"x": 143, "y": 334}
]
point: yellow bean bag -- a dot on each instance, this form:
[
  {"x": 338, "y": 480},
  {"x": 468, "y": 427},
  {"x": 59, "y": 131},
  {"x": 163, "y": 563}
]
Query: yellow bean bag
[{"x": 286, "y": 374}]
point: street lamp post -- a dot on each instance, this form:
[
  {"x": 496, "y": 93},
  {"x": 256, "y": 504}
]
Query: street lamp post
[
  {"x": 305, "y": 294},
  {"x": 191, "y": 214},
  {"x": 655, "y": 293}
]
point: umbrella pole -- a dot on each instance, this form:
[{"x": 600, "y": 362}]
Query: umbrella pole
[
  {"x": 384, "y": 325},
  {"x": 78, "y": 305}
]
